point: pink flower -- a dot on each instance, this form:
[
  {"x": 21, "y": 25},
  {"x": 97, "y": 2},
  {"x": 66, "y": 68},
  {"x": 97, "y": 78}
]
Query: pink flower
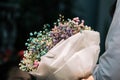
[
  {"x": 76, "y": 19},
  {"x": 36, "y": 63}
]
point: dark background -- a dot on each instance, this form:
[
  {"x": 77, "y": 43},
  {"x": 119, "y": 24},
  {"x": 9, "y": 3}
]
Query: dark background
[{"x": 20, "y": 17}]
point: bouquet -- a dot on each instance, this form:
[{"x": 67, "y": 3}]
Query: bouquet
[{"x": 67, "y": 52}]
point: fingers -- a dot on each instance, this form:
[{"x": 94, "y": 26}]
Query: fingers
[{"x": 89, "y": 78}]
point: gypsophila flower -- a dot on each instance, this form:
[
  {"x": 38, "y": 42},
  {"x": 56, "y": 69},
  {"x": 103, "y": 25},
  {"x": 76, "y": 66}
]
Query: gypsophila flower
[{"x": 41, "y": 42}]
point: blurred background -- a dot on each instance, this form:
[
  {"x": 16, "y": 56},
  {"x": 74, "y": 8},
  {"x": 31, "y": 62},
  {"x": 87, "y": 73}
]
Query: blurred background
[{"x": 20, "y": 17}]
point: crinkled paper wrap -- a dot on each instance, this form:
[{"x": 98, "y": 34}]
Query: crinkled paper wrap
[{"x": 70, "y": 59}]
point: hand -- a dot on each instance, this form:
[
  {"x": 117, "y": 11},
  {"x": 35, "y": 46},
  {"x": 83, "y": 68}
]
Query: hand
[{"x": 89, "y": 78}]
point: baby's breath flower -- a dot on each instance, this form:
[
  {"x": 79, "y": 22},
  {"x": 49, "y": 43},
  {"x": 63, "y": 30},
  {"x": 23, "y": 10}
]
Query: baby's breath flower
[{"x": 41, "y": 42}]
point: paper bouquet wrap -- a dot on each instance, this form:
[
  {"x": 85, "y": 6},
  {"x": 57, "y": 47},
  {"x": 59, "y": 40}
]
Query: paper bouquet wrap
[{"x": 72, "y": 58}]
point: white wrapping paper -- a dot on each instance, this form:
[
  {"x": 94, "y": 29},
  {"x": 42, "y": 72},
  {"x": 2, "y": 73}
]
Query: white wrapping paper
[{"x": 70, "y": 59}]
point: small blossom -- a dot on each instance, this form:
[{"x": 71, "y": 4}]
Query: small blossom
[{"x": 36, "y": 63}]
